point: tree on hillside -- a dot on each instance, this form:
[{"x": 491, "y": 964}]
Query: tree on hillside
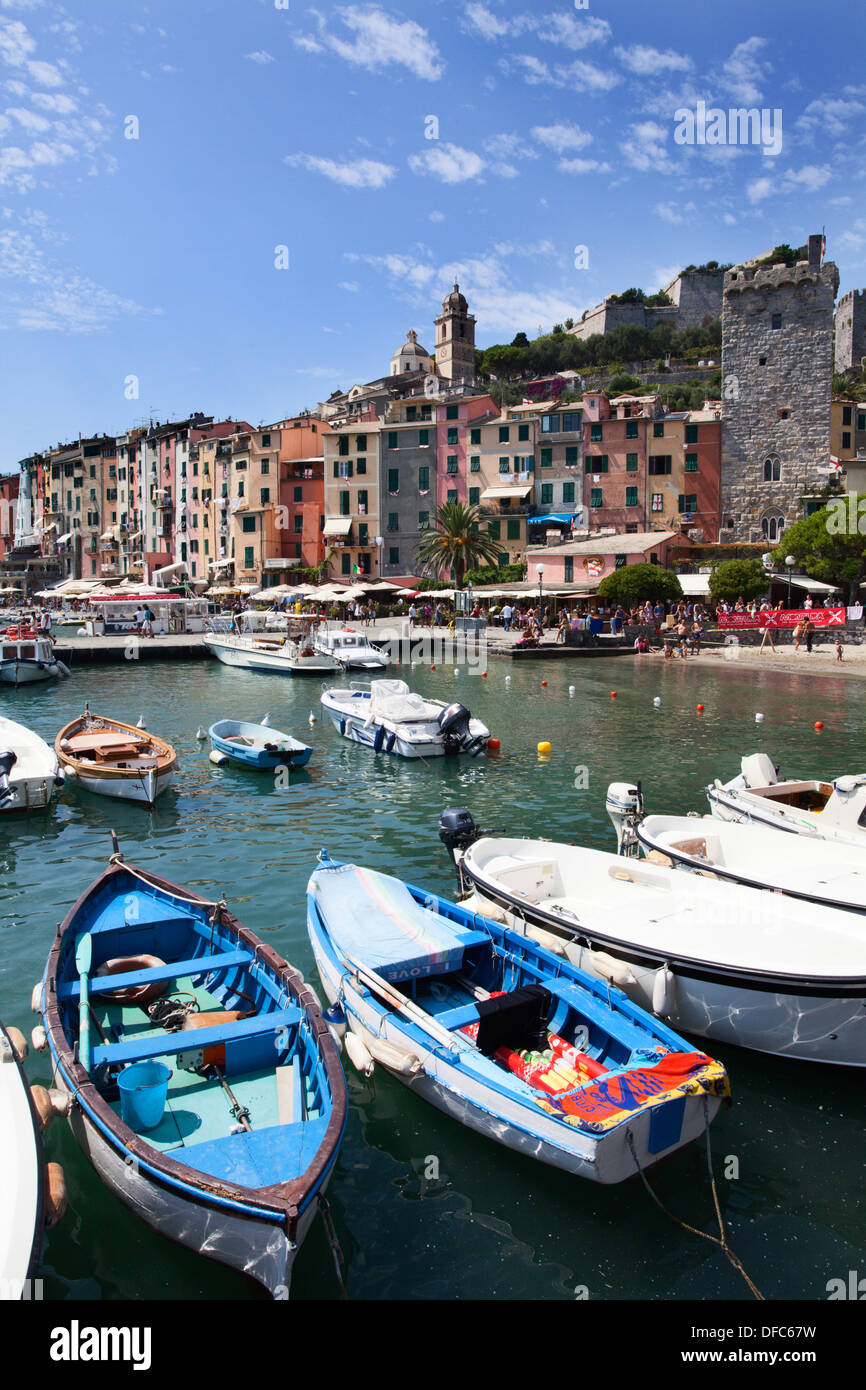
[
  {"x": 830, "y": 545},
  {"x": 455, "y": 544},
  {"x": 733, "y": 579},
  {"x": 636, "y": 583}
]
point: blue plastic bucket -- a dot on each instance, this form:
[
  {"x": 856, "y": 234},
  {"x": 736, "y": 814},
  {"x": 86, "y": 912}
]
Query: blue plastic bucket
[{"x": 143, "y": 1089}]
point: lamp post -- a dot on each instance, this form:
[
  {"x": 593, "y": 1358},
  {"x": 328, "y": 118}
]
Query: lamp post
[
  {"x": 540, "y": 569},
  {"x": 790, "y": 562},
  {"x": 380, "y": 546}
]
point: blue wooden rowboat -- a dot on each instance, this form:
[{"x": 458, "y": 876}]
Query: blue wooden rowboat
[
  {"x": 257, "y": 745},
  {"x": 236, "y": 1167},
  {"x": 503, "y": 1035}
]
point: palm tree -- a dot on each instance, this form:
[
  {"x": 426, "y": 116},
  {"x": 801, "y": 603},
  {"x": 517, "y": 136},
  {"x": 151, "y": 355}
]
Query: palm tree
[{"x": 455, "y": 544}]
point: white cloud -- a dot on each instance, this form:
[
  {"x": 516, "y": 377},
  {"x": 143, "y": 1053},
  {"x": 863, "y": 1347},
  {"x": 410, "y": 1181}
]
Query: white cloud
[
  {"x": 662, "y": 276},
  {"x": 30, "y": 120},
  {"x": 562, "y": 137},
  {"x": 584, "y": 166},
  {"x": 450, "y": 163},
  {"x": 579, "y": 75},
  {"x": 811, "y": 177},
  {"x": 759, "y": 189},
  {"x": 743, "y": 72},
  {"x": 830, "y": 115},
  {"x": 379, "y": 41},
  {"x": 16, "y": 44},
  {"x": 507, "y": 146},
  {"x": 675, "y": 213},
  {"x": 41, "y": 296},
  {"x": 646, "y": 147},
  {"x": 647, "y": 62},
  {"x": 563, "y": 29},
  {"x": 46, "y": 74},
  {"x": 851, "y": 240},
  {"x": 437, "y": 217},
  {"x": 59, "y": 103},
  {"x": 483, "y": 22},
  {"x": 261, "y": 56},
  {"x": 362, "y": 173},
  {"x": 351, "y": 286}
]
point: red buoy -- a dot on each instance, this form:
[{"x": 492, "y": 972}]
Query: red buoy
[
  {"x": 544, "y": 682},
  {"x": 613, "y": 694},
  {"x": 493, "y": 745},
  {"x": 818, "y": 724},
  {"x": 700, "y": 709}
]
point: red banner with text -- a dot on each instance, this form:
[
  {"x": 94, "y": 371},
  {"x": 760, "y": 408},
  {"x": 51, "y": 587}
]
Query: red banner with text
[{"x": 784, "y": 617}]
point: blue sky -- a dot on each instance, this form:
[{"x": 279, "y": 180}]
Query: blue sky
[{"x": 271, "y": 123}]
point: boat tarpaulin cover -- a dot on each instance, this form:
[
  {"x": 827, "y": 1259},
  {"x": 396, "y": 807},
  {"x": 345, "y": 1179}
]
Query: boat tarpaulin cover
[{"x": 374, "y": 918}]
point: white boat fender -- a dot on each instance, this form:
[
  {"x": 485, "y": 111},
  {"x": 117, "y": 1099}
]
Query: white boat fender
[
  {"x": 664, "y": 990},
  {"x": 358, "y": 1055},
  {"x": 19, "y": 1045},
  {"x": 394, "y": 1058},
  {"x": 336, "y": 1021},
  {"x": 48, "y": 1104},
  {"x": 39, "y": 1038},
  {"x": 545, "y": 939},
  {"x": 55, "y": 1194},
  {"x": 63, "y": 668},
  {"x": 218, "y": 758},
  {"x": 200, "y": 733},
  {"x": 616, "y": 972},
  {"x": 36, "y": 998}
]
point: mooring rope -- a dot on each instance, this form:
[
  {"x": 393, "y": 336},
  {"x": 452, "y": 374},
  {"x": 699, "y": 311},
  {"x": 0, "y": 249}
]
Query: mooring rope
[
  {"x": 721, "y": 1239},
  {"x": 331, "y": 1234}
]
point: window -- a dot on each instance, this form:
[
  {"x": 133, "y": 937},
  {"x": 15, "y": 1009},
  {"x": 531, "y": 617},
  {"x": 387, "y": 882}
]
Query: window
[
  {"x": 342, "y": 468},
  {"x": 569, "y": 569},
  {"x": 657, "y": 502},
  {"x": 265, "y": 463},
  {"x": 631, "y": 528},
  {"x": 393, "y": 555},
  {"x": 513, "y": 528},
  {"x": 687, "y": 502},
  {"x": 423, "y": 437},
  {"x": 423, "y": 520},
  {"x": 846, "y": 415},
  {"x": 691, "y": 434},
  {"x": 474, "y": 463},
  {"x": 344, "y": 504},
  {"x": 772, "y": 469},
  {"x": 522, "y": 432},
  {"x": 452, "y": 412},
  {"x": 568, "y": 493},
  {"x": 659, "y": 464},
  {"x": 298, "y": 523},
  {"x": 363, "y": 533},
  {"x": 846, "y": 439},
  {"x": 475, "y": 436},
  {"x": 474, "y": 496},
  {"x": 571, "y": 420},
  {"x": 547, "y": 458},
  {"x": 772, "y": 527},
  {"x": 504, "y": 464},
  {"x": 248, "y": 523},
  {"x": 631, "y": 497},
  {"x": 595, "y": 434},
  {"x": 361, "y": 444},
  {"x": 424, "y": 478},
  {"x": 547, "y": 494},
  {"x": 504, "y": 434},
  {"x": 392, "y": 439},
  {"x": 550, "y": 424},
  {"x": 595, "y": 497},
  {"x": 249, "y": 561},
  {"x": 861, "y": 420},
  {"x": 451, "y": 495},
  {"x": 393, "y": 521},
  {"x": 658, "y": 429},
  {"x": 393, "y": 481},
  {"x": 493, "y": 529},
  {"x": 343, "y": 445},
  {"x": 266, "y": 441},
  {"x": 411, "y": 412},
  {"x": 298, "y": 494},
  {"x": 362, "y": 500},
  {"x": 691, "y": 463},
  {"x": 345, "y": 563},
  {"x": 631, "y": 429},
  {"x": 631, "y": 463},
  {"x": 452, "y": 435},
  {"x": 451, "y": 463},
  {"x": 776, "y": 321},
  {"x": 264, "y": 496},
  {"x": 595, "y": 463},
  {"x": 360, "y": 465}
]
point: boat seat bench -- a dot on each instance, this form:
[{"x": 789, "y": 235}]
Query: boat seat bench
[
  {"x": 584, "y": 1003},
  {"x": 174, "y": 970},
  {"x": 243, "y": 1030}
]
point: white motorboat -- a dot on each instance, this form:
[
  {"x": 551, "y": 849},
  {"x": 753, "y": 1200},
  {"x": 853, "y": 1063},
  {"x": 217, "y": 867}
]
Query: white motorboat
[
  {"x": 270, "y": 652},
  {"x": 27, "y": 658},
  {"x": 826, "y": 872},
  {"x": 390, "y": 718},
  {"x": 828, "y": 810},
  {"x": 351, "y": 649},
  {"x": 29, "y": 769},
  {"x": 760, "y": 970}
]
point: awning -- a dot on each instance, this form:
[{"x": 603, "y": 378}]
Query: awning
[
  {"x": 694, "y": 585},
  {"x": 338, "y": 526},
  {"x": 559, "y": 518},
  {"x": 497, "y": 492},
  {"x": 110, "y": 534},
  {"x": 61, "y": 540},
  {"x": 812, "y": 586}
]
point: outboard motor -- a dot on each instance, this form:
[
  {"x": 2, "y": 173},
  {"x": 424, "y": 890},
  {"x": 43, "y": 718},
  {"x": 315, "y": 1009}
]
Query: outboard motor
[
  {"x": 454, "y": 726},
  {"x": 624, "y": 805},
  {"x": 457, "y": 829},
  {"x": 8, "y": 759}
]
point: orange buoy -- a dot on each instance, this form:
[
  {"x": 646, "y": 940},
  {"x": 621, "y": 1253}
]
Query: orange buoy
[
  {"x": 432, "y": 668},
  {"x": 819, "y": 724},
  {"x": 484, "y": 675},
  {"x": 613, "y": 694},
  {"x": 700, "y": 709},
  {"x": 544, "y": 682},
  {"x": 493, "y": 745}
]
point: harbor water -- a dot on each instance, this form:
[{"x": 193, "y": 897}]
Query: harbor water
[{"x": 423, "y": 1207}]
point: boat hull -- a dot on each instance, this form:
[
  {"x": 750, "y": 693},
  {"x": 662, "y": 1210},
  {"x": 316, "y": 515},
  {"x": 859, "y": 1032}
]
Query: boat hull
[
  {"x": 27, "y": 672},
  {"x": 376, "y": 737},
  {"x": 606, "y": 1160},
  {"x": 734, "y": 808},
  {"x": 22, "y": 1212},
  {"x": 144, "y": 788}
]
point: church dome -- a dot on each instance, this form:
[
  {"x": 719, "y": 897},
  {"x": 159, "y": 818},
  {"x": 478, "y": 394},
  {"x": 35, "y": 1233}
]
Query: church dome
[{"x": 455, "y": 300}]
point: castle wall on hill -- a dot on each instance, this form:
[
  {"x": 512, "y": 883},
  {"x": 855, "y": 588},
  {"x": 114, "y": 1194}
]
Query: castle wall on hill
[
  {"x": 850, "y": 330},
  {"x": 697, "y": 297}
]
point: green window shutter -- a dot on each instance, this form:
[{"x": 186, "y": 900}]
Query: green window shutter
[
  {"x": 569, "y": 569},
  {"x": 522, "y": 432},
  {"x": 547, "y": 494},
  {"x": 658, "y": 429},
  {"x": 691, "y": 463},
  {"x": 502, "y": 558},
  {"x": 452, "y": 435},
  {"x": 451, "y": 463},
  {"x": 264, "y": 496},
  {"x": 392, "y": 439},
  {"x": 249, "y": 523},
  {"x": 493, "y": 529},
  {"x": 363, "y": 533},
  {"x": 513, "y": 531},
  {"x": 595, "y": 434},
  {"x": 504, "y": 434},
  {"x": 451, "y": 494},
  {"x": 362, "y": 498},
  {"x": 547, "y": 458},
  {"x": 249, "y": 556},
  {"x": 393, "y": 521},
  {"x": 602, "y": 463},
  {"x": 336, "y": 473},
  {"x": 631, "y": 497},
  {"x": 298, "y": 494},
  {"x": 568, "y": 492},
  {"x": 595, "y": 497},
  {"x": 393, "y": 555},
  {"x": 424, "y": 478},
  {"x": 343, "y": 445},
  {"x": 631, "y": 463},
  {"x": 475, "y": 463},
  {"x": 504, "y": 464},
  {"x": 474, "y": 496},
  {"x": 423, "y": 520},
  {"x": 344, "y": 504},
  {"x": 393, "y": 480},
  {"x": 423, "y": 436},
  {"x": 631, "y": 429},
  {"x": 345, "y": 563},
  {"x": 571, "y": 455},
  {"x": 475, "y": 436},
  {"x": 360, "y": 465},
  {"x": 361, "y": 444},
  {"x": 691, "y": 434},
  {"x": 452, "y": 412}
]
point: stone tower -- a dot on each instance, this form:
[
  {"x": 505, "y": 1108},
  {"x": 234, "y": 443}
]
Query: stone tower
[
  {"x": 851, "y": 331},
  {"x": 777, "y": 366},
  {"x": 455, "y": 340}
]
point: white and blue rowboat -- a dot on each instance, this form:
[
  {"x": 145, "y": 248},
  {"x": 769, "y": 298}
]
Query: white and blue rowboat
[
  {"x": 390, "y": 718},
  {"x": 236, "y": 1163},
  {"x": 29, "y": 769},
  {"x": 499, "y": 1033},
  {"x": 257, "y": 745},
  {"x": 24, "y": 660}
]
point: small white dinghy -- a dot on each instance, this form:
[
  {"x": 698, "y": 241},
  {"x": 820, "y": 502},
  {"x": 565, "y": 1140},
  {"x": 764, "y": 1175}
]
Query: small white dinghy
[
  {"x": 828, "y": 810},
  {"x": 760, "y": 970},
  {"x": 351, "y": 649},
  {"x": 390, "y": 718},
  {"x": 29, "y": 769}
]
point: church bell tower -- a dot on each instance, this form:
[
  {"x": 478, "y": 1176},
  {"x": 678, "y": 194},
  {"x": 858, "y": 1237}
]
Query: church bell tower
[{"x": 455, "y": 340}]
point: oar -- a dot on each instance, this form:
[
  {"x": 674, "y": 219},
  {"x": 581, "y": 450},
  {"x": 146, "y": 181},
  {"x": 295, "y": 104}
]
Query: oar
[
  {"x": 453, "y": 1041},
  {"x": 83, "y": 957}
]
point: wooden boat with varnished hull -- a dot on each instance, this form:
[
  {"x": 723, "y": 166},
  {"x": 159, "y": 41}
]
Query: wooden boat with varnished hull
[{"x": 115, "y": 759}]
